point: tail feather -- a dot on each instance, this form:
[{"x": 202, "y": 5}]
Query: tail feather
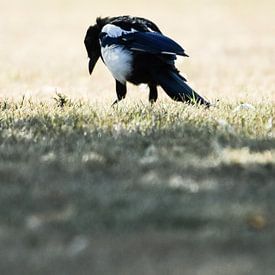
[{"x": 176, "y": 87}]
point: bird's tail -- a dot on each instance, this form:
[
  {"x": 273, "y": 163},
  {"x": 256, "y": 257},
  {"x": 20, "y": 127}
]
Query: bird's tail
[{"x": 175, "y": 86}]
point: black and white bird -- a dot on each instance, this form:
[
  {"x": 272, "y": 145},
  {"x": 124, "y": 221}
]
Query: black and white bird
[{"x": 135, "y": 50}]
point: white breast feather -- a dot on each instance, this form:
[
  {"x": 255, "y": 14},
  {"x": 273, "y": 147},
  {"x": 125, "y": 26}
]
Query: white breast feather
[{"x": 118, "y": 61}]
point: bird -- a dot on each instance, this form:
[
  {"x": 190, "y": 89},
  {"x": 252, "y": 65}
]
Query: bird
[{"x": 135, "y": 50}]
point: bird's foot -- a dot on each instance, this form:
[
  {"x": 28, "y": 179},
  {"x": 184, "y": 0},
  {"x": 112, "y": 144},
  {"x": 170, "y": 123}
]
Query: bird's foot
[
  {"x": 152, "y": 102},
  {"x": 114, "y": 103}
]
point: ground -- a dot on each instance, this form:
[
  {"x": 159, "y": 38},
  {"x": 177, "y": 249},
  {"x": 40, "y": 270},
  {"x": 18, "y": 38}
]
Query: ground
[{"x": 137, "y": 189}]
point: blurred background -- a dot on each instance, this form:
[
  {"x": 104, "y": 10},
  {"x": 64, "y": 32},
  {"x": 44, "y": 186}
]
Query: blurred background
[{"x": 231, "y": 46}]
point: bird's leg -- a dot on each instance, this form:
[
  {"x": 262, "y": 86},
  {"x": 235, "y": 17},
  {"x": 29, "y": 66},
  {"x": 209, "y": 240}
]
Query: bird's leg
[
  {"x": 121, "y": 91},
  {"x": 153, "y": 94}
]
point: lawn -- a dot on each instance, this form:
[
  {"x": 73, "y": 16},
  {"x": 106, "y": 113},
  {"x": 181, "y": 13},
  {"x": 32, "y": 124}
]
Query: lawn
[{"x": 137, "y": 189}]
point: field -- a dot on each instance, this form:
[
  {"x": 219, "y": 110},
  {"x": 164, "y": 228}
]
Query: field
[{"x": 137, "y": 189}]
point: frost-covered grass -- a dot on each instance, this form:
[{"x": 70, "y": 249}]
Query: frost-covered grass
[
  {"x": 73, "y": 168},
  {"x": 129, "y": 151}
]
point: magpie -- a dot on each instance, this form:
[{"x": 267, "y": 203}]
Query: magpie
[{"x": 135, "y": 50}]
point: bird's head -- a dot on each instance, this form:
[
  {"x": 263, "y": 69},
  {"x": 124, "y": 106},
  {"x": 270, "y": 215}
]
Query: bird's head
[{"x": 92, "y": 41}]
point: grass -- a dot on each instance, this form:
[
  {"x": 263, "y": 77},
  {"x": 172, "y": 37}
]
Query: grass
[{"x": 72, "y": 168}]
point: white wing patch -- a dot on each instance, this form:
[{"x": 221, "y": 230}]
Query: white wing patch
[{"x": 115, "y": 31}]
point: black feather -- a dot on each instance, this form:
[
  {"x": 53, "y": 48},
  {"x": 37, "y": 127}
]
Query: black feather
[
  {"x": 151, "y": 42},
  {"x": 176, "y": 87}
]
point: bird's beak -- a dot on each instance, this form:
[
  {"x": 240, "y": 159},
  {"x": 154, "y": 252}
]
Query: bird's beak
[{"x": 92, "y": 62}]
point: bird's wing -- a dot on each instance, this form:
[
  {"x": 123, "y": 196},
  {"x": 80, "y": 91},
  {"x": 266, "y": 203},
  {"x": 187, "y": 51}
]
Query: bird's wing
[{"x": 151, "y": 42}]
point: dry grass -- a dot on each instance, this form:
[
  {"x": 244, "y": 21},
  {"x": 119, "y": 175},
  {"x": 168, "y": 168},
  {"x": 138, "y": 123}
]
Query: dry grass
[{"x": 90, "y": 189}]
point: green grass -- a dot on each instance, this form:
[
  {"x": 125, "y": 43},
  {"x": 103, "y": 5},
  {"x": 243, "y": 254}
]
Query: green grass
[
  {"x": 77, "y": 169},
  {"x": 121, "y": 167}
]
